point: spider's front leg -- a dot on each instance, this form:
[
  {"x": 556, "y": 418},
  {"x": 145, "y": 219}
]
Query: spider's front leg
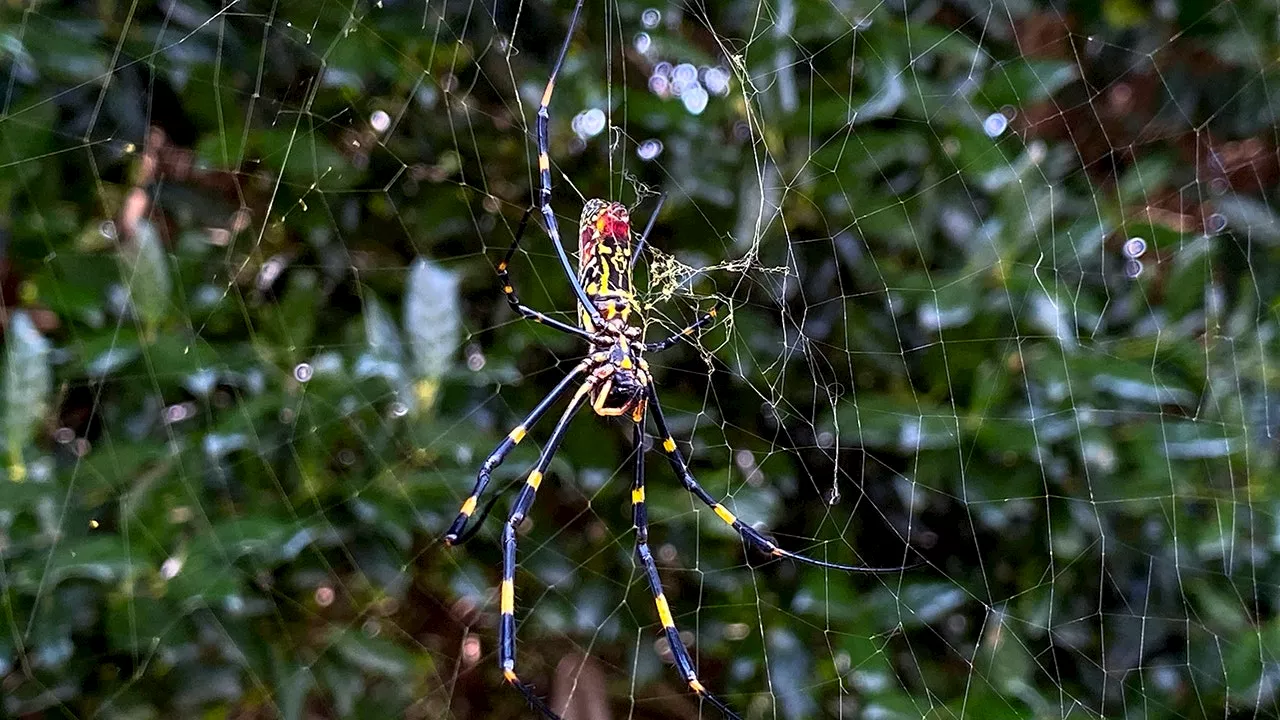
[
  {"x": 543, "y": 132},
  {"x": 509, "y": 289}
]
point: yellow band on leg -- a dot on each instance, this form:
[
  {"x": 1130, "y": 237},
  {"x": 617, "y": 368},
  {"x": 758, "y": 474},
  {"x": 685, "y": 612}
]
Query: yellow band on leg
[
  {"x": 724, "y": 514},
  {"x": 664, "y": 611},
  {"x": 508, "y": 597}
]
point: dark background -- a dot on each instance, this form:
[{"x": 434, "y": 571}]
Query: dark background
[{"x": 255, "y": 351}]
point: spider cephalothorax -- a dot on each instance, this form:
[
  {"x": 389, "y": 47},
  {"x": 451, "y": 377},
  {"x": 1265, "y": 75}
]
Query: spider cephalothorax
[
  {"x": 621, "y": 381},
  {"x": 616, "y": 380}
]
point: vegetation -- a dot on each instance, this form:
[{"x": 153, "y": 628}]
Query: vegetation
[{"x": 999, "y": 286}]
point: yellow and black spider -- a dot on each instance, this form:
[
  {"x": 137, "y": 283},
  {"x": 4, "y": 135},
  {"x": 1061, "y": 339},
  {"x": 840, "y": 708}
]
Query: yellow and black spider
[{"x": 615, "y": 379}]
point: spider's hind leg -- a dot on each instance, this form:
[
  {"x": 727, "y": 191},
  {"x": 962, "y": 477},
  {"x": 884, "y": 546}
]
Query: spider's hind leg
[
  {"x": 749, "y": 534},
  {"x": 457, "y": 532},
  {"x": 507, "y": 592},
  {"x": 684, "y": 661}
]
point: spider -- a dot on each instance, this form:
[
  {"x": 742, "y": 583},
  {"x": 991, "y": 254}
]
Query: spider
[{"x": 615, "y": 380}]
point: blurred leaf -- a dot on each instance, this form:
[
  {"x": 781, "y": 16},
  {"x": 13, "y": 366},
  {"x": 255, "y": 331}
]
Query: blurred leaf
[
  {"x": 103, "y": 558},
  {"x": 930, "y": 602},
  {"x": 384, "y": 355},
  {"x": 432, "y": 321},
  {"x": 1003, "y": 658},
  {"x": 374, "y": 655},
  {"x": 272, "y": 539},
  {"x": 1145, "y": 179},
  {"x": 1123, "y": 13},
  {"x": 789, "y": 664},
  {"x": 304, "y": 157},
  {"x": 882, "y": 422},
  {"x": 25, "y": 132},
  {"x": 144, "y": 270},
  {"x": 889, "y": 91},
  {"x": 292, "y": 684},
  {"x": 1251, "y": 667},
  {"x": 1023, "y": 82},
  {"x": 229, "y": 512},
  {"x": 1250, "y": 217},
  {"x": 28, "y": 381},
  {"x": 296, "y": 313}
]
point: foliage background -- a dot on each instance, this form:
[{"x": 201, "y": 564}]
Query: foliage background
[{"x": 255, "y": 351}]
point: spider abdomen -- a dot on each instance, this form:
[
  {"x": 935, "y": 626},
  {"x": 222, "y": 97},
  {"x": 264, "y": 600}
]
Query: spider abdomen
[{"x": 604, "y": 261}]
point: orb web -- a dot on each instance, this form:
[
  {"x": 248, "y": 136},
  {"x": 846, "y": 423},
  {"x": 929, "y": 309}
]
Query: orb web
[{"x": 995, "y": 286}]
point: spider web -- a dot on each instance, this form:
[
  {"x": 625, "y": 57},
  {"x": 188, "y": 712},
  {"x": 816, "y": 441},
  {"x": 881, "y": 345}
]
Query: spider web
[{"x": 997, "y": 302}]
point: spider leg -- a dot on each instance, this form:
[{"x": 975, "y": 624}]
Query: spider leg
[
  {"x": 456, "y": 535},
  {"x": 748, "y": 533},
  {"x": 706, "y": 319},
  {"x": 514, "y": 300},
  {"x": 684, "y": 662},
  {"x": 644, "y": 236},
  {"x": 544, "y": 174},
  {"x": 520, "y": 508}
]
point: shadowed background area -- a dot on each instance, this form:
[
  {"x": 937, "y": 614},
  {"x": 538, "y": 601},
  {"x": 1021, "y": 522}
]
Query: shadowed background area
[{"x": 997, "y": 282}]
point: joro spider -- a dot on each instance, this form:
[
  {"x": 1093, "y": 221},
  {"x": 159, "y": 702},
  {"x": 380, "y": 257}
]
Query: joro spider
[{"x": 615, "y": 379}]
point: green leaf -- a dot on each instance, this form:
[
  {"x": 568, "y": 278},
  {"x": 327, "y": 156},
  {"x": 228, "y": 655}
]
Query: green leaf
[
  {"x": 103, "y": 558},
  {"x": 1251, "y": 218},
  {"x": 296, "y": 316},
  {"x": 25, "y": 133},
  {"x": 292, "y": 683},
  {"x": 1147, "y": 177},
  {"x": 889, "y": 92},
  {"x": 144, "y": 269},
  {"x": 374, "y": 655},
  {"x": 304, "y": 157},
  {"x": 1024, "y": 82},
  {"x": 791, "y": 665},
  {"x": 432, "y": 322},
  {"x": 384, "y": 354},
  {"x": 28, "y": 382},
  {"x": 883, "y": 422},
  {"x": 1124, "y": 13}
]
